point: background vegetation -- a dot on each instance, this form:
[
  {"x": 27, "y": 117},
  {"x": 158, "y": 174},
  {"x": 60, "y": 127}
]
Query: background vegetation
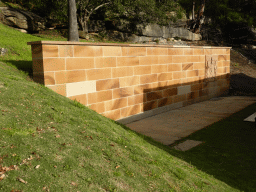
[
  {"x": 233, "y": 17},
  {"x": 224, "y": 11},
  {"x": 134, "y": 11}
]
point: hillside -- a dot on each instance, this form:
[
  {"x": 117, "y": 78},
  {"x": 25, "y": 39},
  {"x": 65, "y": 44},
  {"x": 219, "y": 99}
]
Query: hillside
[{"x": 50, "y": 143}]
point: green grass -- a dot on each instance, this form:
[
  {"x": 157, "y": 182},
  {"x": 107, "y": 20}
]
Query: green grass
[
  {"x": 228, "y": 151},
  {"x": 80, "y": 150},
  {"x": 20, "y": 53}
]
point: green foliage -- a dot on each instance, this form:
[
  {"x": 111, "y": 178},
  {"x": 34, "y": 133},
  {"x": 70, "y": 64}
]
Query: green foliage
[
  {"x": 78, "y": 104},
  {"x": 234, "y": 17},
  {"x": 226, "y": 11},
  {"x": 135, "y": 11},
  {"x": 50, "y": 9},
  {"x": 148, "y": 11}
]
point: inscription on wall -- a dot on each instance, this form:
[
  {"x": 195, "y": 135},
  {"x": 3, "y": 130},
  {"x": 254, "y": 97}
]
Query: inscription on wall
[{"x": 211, "y": 67}]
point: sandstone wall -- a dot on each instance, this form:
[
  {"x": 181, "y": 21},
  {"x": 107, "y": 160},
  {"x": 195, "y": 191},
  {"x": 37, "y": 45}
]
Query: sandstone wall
[{"x": 119, "y": 81}]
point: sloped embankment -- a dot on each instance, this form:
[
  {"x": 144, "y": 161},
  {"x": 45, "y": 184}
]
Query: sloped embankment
[{"x": 49, "y": 142}]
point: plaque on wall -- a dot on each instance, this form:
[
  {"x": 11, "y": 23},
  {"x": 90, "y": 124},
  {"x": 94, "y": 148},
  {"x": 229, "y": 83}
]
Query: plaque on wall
[{"x": 211, "y": 67}]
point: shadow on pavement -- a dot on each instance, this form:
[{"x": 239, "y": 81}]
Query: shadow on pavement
[{"x": 227, "y": 152}]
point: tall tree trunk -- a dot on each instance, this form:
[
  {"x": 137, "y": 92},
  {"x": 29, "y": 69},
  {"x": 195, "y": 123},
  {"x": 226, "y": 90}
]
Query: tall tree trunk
[
  {"x": 72, "y": 19},
  {"x": 193, "y": 11}
]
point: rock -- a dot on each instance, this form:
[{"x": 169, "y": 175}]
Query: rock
[
  {"x": 21, "y": 30},
  {"x": 184, "y": 34},
  {"x": 248, "y": 46},
  {"x": 177, "y": 29},
  {"x": 3, "y": 51},
  {"x": 151, "y": 30},
  {"x": 22, "y": 19},
  {"x": 82, "y": 34},
  {"x": 140, "y": 39},
  {"x": 253, "y": 31},
  {"x": 154, "y": 30}
]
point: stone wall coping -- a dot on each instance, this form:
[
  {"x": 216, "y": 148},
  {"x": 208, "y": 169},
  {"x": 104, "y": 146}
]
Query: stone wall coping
[{"x": 119, "y": 44}]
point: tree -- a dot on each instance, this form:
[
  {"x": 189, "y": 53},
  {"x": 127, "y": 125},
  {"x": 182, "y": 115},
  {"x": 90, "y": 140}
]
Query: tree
[
  {"x": 86, "y": 8},
  {"x": 146, "y": 11},
  {"x": 199, "y": 19},
  {"x": 222, "y": 12},
  {"x": 135, "y": 11},
  {"x": 72, "y": 19}
]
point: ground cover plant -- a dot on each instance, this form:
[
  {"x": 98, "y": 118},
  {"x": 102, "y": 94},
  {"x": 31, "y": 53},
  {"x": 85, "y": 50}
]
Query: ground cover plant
[{"x": 50, "y": 143}]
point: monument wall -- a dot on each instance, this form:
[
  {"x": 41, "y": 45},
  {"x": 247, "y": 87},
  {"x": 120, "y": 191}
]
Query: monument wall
[{"x": 127, "y": 82}]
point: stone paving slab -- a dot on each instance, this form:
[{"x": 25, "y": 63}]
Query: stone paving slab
[
  {"x": 186, "y": 145},
  {"x": 176, "y": 124},
  {"x": 251, "y": 118}
]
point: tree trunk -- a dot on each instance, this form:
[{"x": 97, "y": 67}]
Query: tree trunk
[
  {"x": 84, "y": 15},
  {"x": 193, "y": 11},
  {"x": 83, "y": 21},
  {"x": 199, "y": 20},
  {"x": 72, "y": 26}
]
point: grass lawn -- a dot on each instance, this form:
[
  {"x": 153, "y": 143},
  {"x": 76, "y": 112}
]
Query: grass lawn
[
  {"x": 50, "y": 143},
  {"x": 228, "y": 152}
]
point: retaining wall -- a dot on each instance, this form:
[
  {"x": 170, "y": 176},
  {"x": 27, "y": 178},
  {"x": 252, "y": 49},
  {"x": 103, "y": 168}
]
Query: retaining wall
[{"x": 130, "y": 80}]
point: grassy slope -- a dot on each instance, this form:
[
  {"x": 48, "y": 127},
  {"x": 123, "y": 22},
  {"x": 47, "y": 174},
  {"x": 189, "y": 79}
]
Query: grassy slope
[{"x": 77, "y": 149}]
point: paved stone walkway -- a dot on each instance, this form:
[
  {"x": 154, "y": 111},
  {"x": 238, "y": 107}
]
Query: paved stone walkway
[
  {"x": 176, "y": 124},
  {"x": 251, "y": 118}
]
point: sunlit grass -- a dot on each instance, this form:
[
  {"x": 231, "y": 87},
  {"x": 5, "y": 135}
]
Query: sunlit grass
[{"x": 50, "y": 143}]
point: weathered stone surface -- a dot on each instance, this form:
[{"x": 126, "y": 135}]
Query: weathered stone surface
[
  {"x": 140, "y": 39},
  {"x": 21, "y": 30},
  {"x": 154, "y": 30},
  {"x": 184, "y": 34},
  {"x": 177, "y": 29},
  {"x": 21, "y": 19},
  {"x": 211, "y": 67},
  {"x": 251, "y": 118},
  {"x": 151, "y": 30}
]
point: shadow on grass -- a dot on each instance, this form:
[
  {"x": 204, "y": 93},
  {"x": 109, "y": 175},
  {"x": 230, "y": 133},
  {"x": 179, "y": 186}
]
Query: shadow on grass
[
  {"x": 227, "y": 152},
  {"x": 25, "y": 66},
  {"x": 243, "y": 83},
  {"x": 249, "y": 53}
]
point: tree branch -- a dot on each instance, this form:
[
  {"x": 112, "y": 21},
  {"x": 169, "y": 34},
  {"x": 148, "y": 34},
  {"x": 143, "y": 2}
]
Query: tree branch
[{"x": 98, "y": 7}]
